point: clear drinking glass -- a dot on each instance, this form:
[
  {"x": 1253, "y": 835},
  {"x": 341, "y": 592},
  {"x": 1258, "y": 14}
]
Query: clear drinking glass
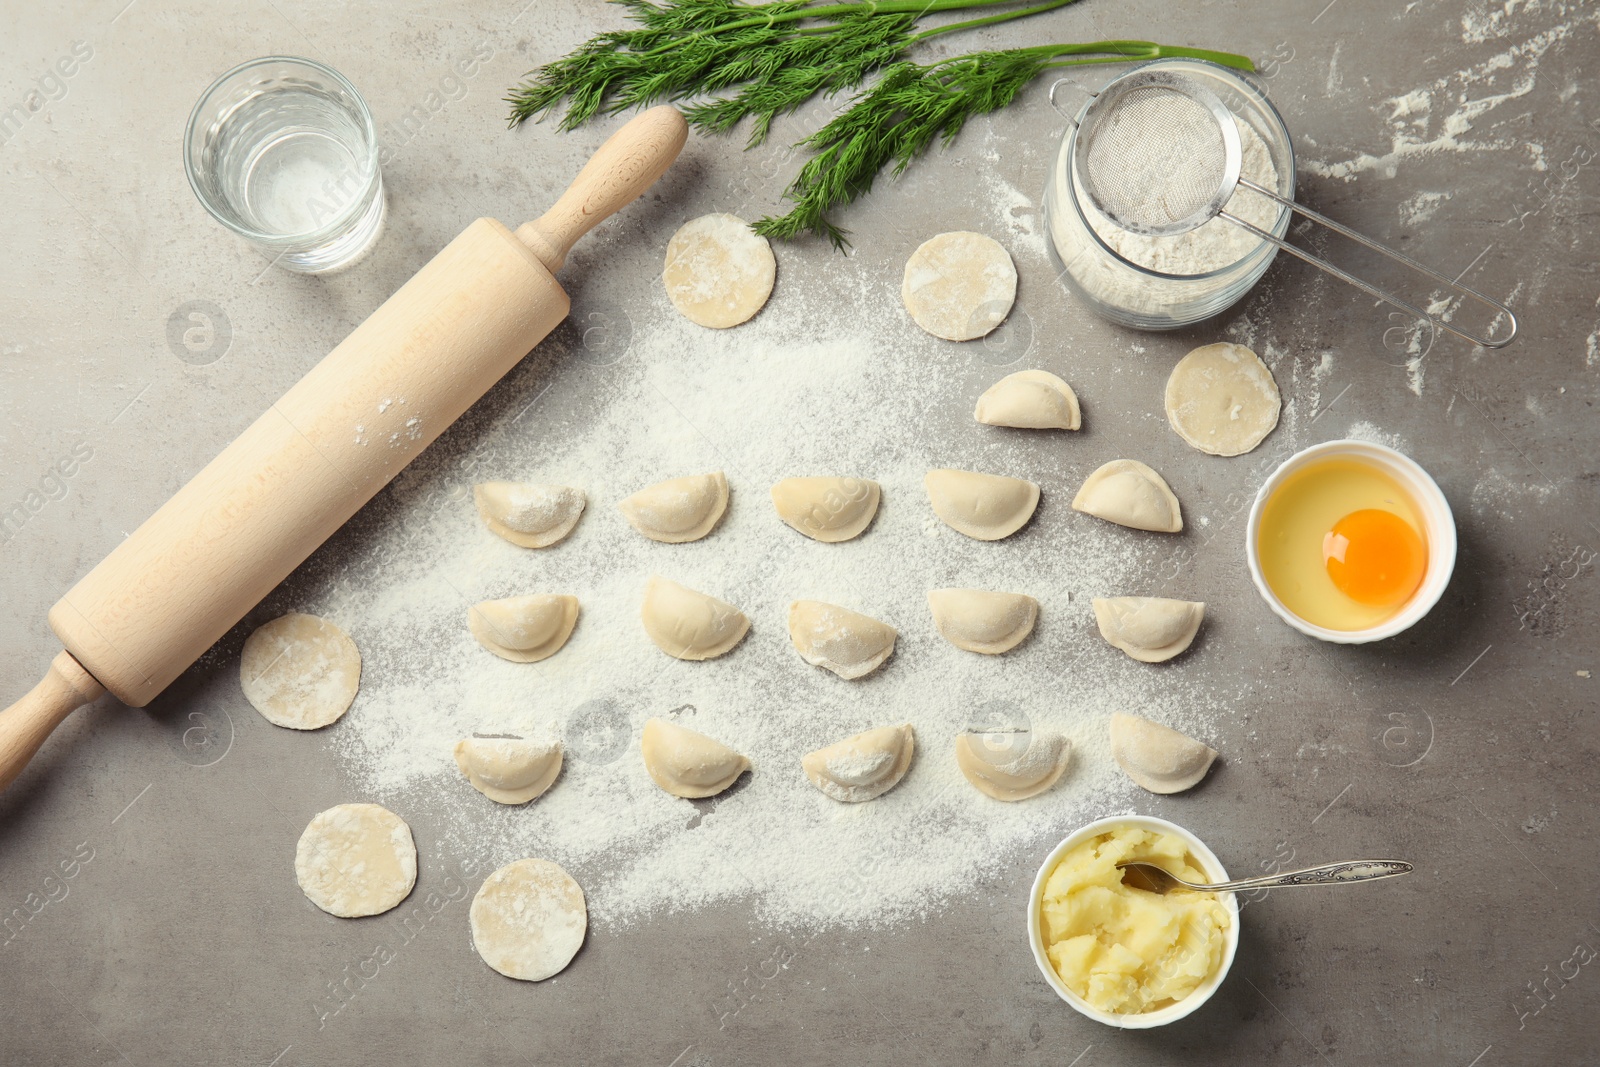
[
  {"x": 283, "y": 152},
  {"x": 1133, "y": 295}
]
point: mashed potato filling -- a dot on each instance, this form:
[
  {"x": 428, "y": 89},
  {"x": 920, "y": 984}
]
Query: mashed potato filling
[{"x": 1127, "y": 950}]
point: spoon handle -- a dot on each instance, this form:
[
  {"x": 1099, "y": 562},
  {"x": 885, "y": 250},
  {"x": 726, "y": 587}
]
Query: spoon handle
[{"x": 1327, "y": 874}]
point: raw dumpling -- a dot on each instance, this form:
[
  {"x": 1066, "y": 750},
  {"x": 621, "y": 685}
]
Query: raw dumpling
[
  {"x": 864, "y": 766},
  {"x": 1007, "y": 767},
  {"x": 533, "y": 516},
  {"x": 1127, "y": 492},
  {"x": 509, "y": 770},
  {"x": 719, "y": 271},
  {"x": 980, "y": 621},
  {"x": 300, "y": 671},
  {"x": 982, "y": 506},
  {"x": 1222, "y": 399},
  {"x": 524, "y": 629},
  {"x": 678, "y": 509},
  {"x": 690, "y": 625},
  {"x": 528, "y": 920},
  {"x": 1029, "y": 400},
  {"x": 959, "y": 285},
  {"x": 827, "y": 509},
  {"x": 847, "y": 643},
  {"x": 356, "y": 859},
  {"x": 1156, "y": 757},
  {"x": 686, "y": 763},
  {"x": 1151, "y": 629}
]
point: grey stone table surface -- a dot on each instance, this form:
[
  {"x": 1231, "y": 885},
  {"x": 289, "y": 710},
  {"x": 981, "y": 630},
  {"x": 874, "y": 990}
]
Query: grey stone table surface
[{"x": 149, "y": 918}]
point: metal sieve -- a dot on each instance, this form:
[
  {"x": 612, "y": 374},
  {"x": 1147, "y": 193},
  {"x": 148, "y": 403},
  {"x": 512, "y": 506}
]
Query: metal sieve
[{"x": 1159, "y": 154}]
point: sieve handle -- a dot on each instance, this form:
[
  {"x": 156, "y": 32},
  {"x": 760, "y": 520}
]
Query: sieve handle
[
  {"x": 1058, "y": 83},
  {"x": 1367, "y": 287}
]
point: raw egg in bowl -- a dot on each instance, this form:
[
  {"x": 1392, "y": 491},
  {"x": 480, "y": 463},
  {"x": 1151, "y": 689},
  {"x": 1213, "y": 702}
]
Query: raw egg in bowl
[{"x": 1350, "y": 541}]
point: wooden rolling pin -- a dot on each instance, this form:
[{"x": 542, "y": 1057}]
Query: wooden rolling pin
[{"x": 253, "y": 514}]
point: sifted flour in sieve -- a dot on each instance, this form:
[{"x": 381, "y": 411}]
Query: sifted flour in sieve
[{"x": 1218, "y": 242}]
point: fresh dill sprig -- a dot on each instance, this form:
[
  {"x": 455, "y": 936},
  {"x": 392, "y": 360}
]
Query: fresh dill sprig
[
  {"x": 736, "y": 61},
  {"x": 912, "y": 106}
]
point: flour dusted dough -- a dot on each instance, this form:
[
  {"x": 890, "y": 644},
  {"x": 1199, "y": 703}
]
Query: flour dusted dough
[
  {"x": 686, "y": 763},
  {"x": 1150, "y": 629},
  {"x": 829, "y": 509},
  {"x": 678, "y": 509},
  {"x": 300, "y": 671},
  {"x": 686, "y": 624},
  {"x": 846, "y": 642},
  {"x": 986, "y": 507},
  {"x": 982, "y": 621},
  {"x": 1029, "y": 400},
  {"x": 1007, "y": 767},
  {"x": 1222, "y": 399},
  {"x": 509, "y": 770},
  {"x": 528, "y": 920},
  {"x": 959, "y": 285},
  {"x": 864, "y": 766},
  {"x": 719, "y": 272},
  {"x": 526, "y": 514},
  {"x": 1129, "y": 493},
  {"x": 356, "y": 859},
  {"x": 1156, "y": 757},
  {"x": 524, "y": 629}
]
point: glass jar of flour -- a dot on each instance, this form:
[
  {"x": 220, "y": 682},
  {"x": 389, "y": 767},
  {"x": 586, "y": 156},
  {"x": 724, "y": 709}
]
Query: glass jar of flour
[{"x": 1163, "y": 283}]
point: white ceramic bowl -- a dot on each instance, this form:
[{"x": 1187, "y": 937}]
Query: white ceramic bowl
[
  {"x": 1161, "y": 1016},
  {"x": 1440, "y": 534}
]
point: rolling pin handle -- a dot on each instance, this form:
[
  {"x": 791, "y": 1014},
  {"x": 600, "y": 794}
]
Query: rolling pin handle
[
  {"x": 25, "y": 724},
  {"x": 626, "y": 165}
]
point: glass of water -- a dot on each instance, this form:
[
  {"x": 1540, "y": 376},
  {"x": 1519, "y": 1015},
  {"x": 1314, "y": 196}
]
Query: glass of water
[{"x": 283, "y": 152}]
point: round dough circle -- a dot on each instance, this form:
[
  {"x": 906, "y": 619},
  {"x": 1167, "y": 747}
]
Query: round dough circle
[
  {"x": 300, "y": 671},
  {"x": 959, "y": 285},
  {"x": 356, "y": 859},
  {"x": 528, "y": 920},
  {"x": 1222, "y": 399},
  {"x": 719, "y": 272}
]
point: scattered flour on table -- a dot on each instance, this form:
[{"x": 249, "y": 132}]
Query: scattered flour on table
[
  {"x": 1440, "y": 116},
  {"x": 816, "y": 385},
  {"x": 1366, "y": 431},
  {"x": 1415, "y": 210},
  {"x": 1019, "y": 214},
  {"x": 1497, "y": 494}
]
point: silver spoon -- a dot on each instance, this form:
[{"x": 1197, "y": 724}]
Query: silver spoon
[{"x": 1153, "y": 879}]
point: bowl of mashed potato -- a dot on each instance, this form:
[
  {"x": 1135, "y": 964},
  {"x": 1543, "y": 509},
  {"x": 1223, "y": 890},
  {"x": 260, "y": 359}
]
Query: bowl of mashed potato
[{"x": 1122, "y": 955}]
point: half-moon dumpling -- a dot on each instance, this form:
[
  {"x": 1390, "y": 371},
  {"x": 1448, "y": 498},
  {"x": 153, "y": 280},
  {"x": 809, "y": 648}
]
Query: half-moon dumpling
[
  {"x": 690, "y": 625},
  {"x": 1029, "y": 400},
  {"x": 686, "y": 763},
  {"x": 678, "y": 509},
  {"x": 845, "y": 642},
  {"x": 1005, "y": 773},
  {"x": 981, "y": 621},
  {"x": 1156, "y": 757},
  {"x": 533, "y": 516},
  {"x": 1129, "y": 493},
  {"x": 1151, "y": 629},
  {"x": 864, "y": 766},
  {"x": 827, "y": 509},
  {"x": 509, "y": 770},
  {"x": 983, "y": 506},
  {"x": 524, "y": 629}
]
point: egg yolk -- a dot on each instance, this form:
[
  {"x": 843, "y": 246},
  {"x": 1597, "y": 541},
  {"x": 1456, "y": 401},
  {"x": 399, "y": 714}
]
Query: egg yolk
[{"x": 1375, "y": 557}]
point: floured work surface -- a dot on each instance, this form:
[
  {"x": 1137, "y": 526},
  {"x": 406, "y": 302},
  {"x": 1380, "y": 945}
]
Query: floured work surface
[{"x": 771, "y": 917}]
